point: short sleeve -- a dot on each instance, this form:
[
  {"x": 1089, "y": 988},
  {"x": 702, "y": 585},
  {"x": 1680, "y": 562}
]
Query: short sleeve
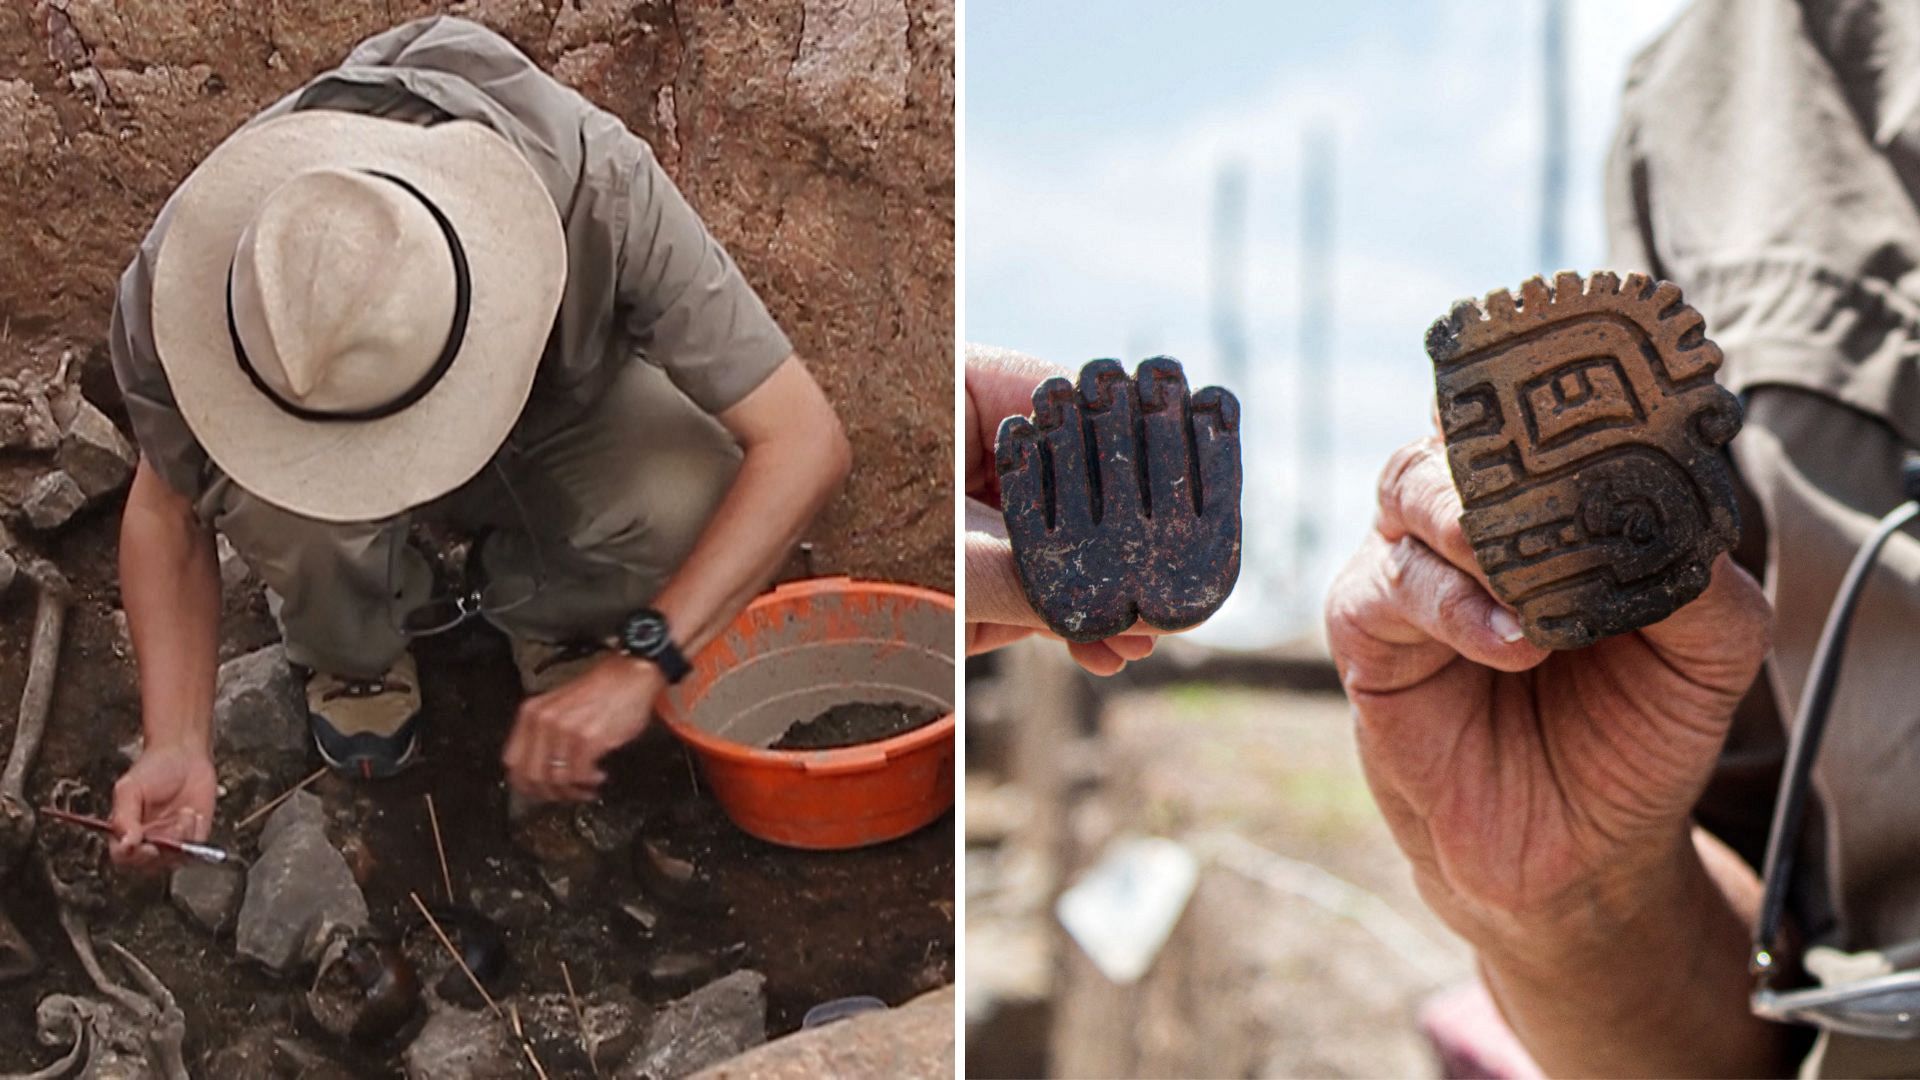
[
  {"x": 164, "y": 438},
  {"x": 684, "y": 301}
]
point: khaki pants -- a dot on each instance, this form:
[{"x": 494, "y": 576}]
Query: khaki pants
[{"x": 613, "y": 505}]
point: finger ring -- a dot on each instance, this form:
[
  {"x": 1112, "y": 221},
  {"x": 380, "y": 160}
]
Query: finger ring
[{"x": 558, "y": 764}]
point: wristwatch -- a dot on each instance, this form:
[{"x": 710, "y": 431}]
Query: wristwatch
[{"x": 644, "y": 636}]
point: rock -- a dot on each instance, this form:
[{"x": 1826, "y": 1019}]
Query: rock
[
  {"x": 209, "y": 894},
  {"x": 8, "y": 569},
  {"x": 263, "y": 1052},
  {"x": 642, "y": 913},
  {"x": 710, "y": 1025},
  {"x": 52, "y": 501},
  {"x": 260, "y": 704},
  {"x": 512, "y": 907},
  {"x": 300, "y": 893},
  {"x": 94, "y": 453},
  {"x": 564, "y": 859},
  {"x": 681, "y": 970},
  {"x": 458, "y": 1044},
  {"x": 912, "y": 1042}
]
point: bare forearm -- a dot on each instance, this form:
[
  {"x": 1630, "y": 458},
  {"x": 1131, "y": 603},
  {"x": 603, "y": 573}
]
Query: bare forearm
[
  {"x": 170, "y": 584},
  {"x": 776, "y": 494},
  {"x": 1658, "y": 992}
]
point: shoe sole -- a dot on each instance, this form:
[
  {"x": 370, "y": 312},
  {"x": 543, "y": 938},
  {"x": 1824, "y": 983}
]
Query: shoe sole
[{"x": 366, "y": 756}]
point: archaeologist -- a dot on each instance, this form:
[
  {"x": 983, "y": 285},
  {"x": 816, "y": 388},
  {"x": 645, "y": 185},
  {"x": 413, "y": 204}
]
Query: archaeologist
[
  {"x": 436, "y": 287},
  {"x": 1592, "y": 822}
]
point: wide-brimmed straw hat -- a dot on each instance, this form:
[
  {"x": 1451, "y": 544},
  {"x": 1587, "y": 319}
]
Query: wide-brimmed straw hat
[{"x": 350, "y": 310}]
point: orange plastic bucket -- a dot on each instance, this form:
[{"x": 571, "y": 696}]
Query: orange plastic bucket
[{"x": 794, "y": 653}]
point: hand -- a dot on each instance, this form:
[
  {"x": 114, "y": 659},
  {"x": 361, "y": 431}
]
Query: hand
[
  {"x": 559, "y": 737},
  {"x": 1000, "y": 384},
  {"x": 169, "y": 792},
  {"x": 1537, "y": 794}
]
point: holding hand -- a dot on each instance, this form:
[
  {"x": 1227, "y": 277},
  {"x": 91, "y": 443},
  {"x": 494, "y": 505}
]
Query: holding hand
[
  {"x": 560, "y": 736},
  {"x": 169, "y": 792},
  {"x": 999, "y": 384}
]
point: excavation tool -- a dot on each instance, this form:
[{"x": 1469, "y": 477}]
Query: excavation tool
[{"x": 203, "y": 852}]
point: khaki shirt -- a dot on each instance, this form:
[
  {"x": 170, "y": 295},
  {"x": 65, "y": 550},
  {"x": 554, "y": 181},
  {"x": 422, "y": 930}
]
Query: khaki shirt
[
  {"x": 644, "y": 277},
  {"x": 1768, "y": 161}
]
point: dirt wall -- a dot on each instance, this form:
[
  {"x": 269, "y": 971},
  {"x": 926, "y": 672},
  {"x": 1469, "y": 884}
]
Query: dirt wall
[{"x": 814, "y": 136}]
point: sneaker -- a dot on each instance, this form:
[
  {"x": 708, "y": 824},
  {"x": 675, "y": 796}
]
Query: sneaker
[
  {"x": 366, "y": 728},
  {"x": 548, "y": 666}
]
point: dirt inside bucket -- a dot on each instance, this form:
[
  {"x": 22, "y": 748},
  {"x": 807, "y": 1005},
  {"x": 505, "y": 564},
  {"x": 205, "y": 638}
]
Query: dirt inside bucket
[{"x": 856, "y": 722}]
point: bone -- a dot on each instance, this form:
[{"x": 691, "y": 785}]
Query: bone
[
  {"x": 36, "y": 700},
  {"x": 156, "y": 1011}
]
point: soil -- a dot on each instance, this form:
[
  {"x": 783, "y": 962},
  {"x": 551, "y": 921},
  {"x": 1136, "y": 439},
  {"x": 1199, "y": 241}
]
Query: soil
[
  {"x": 856, "y": 722},
  {"x": 819, "y": 926}
]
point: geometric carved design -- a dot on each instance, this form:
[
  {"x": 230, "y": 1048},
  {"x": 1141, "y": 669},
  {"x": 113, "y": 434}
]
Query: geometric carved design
[
  {"x": 1122, "y": 499},
  {"x": 1583, "y": 428}
]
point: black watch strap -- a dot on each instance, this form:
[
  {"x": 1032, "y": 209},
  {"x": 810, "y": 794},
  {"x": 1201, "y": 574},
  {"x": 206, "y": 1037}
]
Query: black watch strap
[{"x": 646, "y": 636}]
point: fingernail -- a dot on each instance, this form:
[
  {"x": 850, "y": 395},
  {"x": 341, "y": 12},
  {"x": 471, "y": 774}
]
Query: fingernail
[{"x": 1504, "y": 625}]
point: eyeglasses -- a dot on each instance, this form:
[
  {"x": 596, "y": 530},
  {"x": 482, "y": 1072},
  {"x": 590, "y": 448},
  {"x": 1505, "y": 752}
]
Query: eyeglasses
[
  {"x": 467, "y": 598},
  {"x": 1882, "y": 1006}
]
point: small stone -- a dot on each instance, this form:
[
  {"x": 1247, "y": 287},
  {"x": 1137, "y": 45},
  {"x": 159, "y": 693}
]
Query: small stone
[
  {"x": 209, "y": 894},
  {"x": 681, "y": 970},
  {"x": 94, "y": 452},
  {"x": 260, "y": 704},
  {"x": 606, "y": 828},
  {"x": 708, "y": 1026},
  {"x": 639, "y": 911},
  {"x": 52, "y": 501},
  {"x": 300, "y": 893},
  {"x": 512, "y": 907},
  {"x": 459, "y": 1044},
  {"x": 670, "y": 879}
]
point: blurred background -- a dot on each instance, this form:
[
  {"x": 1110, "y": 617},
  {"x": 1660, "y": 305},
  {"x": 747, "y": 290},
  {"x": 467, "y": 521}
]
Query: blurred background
[{"x": 1283, "y": 196}]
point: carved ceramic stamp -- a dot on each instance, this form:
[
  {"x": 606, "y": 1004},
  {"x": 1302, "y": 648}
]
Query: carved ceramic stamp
[
  {"x": 1583, "y": 428},
  {"x": 1122, "y": 499}
]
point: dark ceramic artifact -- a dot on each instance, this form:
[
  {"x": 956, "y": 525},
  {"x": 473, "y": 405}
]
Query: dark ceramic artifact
[
  {"x": 1584, "y": 429},
  {"x": 1122, "y": 499}
]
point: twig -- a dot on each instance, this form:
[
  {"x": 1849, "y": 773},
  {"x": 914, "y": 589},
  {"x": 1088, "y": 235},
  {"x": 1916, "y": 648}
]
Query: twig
[
  {"x": 439, "y": 849},
  {"x": 280, "y": 798},
  {"x": 492, "y": 1005},
  {"x": 526, "y": 1044},
  {"x": 579, "y": 1015},
  {"x": 692, "y": 773}
]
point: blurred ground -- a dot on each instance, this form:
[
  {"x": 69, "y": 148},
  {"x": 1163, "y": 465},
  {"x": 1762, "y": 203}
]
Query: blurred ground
[{"x": 1275, "y": 969}]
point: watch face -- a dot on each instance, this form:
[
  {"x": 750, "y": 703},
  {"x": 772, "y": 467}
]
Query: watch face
[{"x": 645, "y": 634}]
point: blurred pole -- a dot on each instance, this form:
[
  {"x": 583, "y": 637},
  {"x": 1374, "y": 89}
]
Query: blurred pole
[
  {"x": 1553, "y": 171},
  {"x": 1228, "y": 271},
  {"x": 1316, "y": 324}
]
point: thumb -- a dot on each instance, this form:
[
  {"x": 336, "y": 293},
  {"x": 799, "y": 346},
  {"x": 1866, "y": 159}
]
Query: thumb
[
  {"x": 128, "y": 805},
  {"x": 1718, "y": 639},
  {"x": 994, "y": 592}
]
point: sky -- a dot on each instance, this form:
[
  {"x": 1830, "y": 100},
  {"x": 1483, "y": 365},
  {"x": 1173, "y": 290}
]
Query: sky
[{"x": 1095, "y": 133}]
